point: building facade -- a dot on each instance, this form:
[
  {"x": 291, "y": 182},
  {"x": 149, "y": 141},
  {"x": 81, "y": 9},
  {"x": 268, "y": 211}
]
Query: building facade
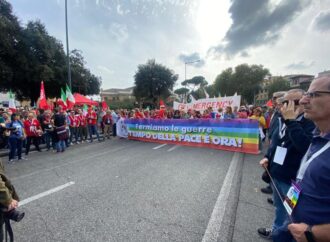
[
  {"x": 300, "y": 81},
  {"x": 117, "y": 94},
  {"x": 262, "y": 97}
]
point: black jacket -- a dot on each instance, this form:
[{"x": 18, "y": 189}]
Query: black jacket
[{"x": 297, "y": 138}]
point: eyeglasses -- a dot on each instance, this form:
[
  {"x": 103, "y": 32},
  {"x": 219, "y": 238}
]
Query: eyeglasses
[
  {"x": 315, "y": 94},
  {"x": 296, "y": 102}
]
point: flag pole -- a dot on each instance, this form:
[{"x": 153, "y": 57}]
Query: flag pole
[{"x": 67, "y": 43}]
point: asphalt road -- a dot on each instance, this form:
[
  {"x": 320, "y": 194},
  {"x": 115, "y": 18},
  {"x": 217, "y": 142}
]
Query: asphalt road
[{"x": 119, "y": 190}]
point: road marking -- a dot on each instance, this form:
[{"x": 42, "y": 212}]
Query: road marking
[
  {"x": 159, "y": 146},
  {"x": 44, "y": 194},
  {"x": 67, "y": 163},
  {"x": 173, "y": 148},
  {"x": 213, "y": 228}
]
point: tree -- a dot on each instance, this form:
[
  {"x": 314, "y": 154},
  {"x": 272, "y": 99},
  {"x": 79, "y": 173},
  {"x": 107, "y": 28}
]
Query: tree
[
  {"x": 222, "y": 84},
  {"x": 29, "y": 55},
  {"x": 11, "y": 56},
  {"x": 153, "y": 81},
  {"x": 277, "y": 84},
  {"x": 46, "y": 63},
  {"x": 245, "y": 80},
  {"x": 196, "y": 81},
  {"x": 84, "y": 81},
  {"x": 182, "y": 92}
]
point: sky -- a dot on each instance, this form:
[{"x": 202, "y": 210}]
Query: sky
[{"x": 115, "y": 36}]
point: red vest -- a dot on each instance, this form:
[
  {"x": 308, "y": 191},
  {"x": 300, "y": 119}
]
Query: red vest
[
  {"x": 91, "y": 118},
  {"x": 31, "y": 127},
  {"x": 74, "y": 122},
  {"x": 82, "y": 120}
]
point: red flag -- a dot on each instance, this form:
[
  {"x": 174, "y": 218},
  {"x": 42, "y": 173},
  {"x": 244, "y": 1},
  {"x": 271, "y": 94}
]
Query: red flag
[
  {"x": 104, "y": 106},
  {"x": 161, "y": 104},
  {"x": 60, "y": 102},
  {"x": 269, "y": 103},
  {"x": 43, "y": 101}
]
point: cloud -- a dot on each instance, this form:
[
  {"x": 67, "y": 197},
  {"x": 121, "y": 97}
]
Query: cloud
[
  {"x": 322, "y": 21},
  {"x": 192, "y": 57},
  {"x": 256, "y": 23},
  {"x": 105, "y": 69},
  {"x": 301, "y": 65},
  {"x": 119, "y": 32}
]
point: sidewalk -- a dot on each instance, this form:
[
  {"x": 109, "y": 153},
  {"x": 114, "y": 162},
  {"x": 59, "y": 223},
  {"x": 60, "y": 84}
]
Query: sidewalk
[{"x": 253, "y": 211}]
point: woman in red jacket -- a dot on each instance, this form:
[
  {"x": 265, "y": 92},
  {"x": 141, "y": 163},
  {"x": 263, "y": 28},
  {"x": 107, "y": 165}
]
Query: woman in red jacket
[{"x": 33, "y": 132}]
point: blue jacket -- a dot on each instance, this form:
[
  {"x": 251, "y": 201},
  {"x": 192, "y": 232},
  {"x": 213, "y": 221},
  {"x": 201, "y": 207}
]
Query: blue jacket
[
  {"x": 273, "y": 126},
  {"x": 297, "y": 138}
]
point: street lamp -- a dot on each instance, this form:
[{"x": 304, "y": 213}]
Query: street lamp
[
  {"x": 185, "y": 69},
  {"x": 67, "y": 44}
]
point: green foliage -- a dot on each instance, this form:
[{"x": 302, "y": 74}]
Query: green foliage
[
  {"x": 83, "y": 81},
  {"x": 125, "y": 104},
  {"x": 211, "y": 91},
  {"x": 196, "y": 81},
  {"x": 223, "y": 83},
  {"x": 277, "y": 84},
  {"x": 182, "y": 91},
  {"x": 153, "y": 82},
  {"x": 29, "y": 55},
  {"x": 245, "y": 80}
]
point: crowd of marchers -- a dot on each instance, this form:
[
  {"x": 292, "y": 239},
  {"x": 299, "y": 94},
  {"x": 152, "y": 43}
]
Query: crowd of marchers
[
  {"x": 296, "y": 162},
  {"x": 60, "y": 128},
  {"x": 57, "y": 129}
]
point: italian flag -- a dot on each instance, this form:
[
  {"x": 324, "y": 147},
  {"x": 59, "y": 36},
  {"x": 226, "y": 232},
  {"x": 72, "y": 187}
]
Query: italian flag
[
  {"x": 85, "y": 110},
  {"x": 62, "y": 101},
  {"x": 70, "y": 101},
  {"x": 12, "y": 105}
]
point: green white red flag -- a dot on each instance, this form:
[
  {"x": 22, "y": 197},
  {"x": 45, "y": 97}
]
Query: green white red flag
[
  {"x": 12, "y": 105},
  {"x": 62, "y": 101},
  {"x": 70, "y": 101}
]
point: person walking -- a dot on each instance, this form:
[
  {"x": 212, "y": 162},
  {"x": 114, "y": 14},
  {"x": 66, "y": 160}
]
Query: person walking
[
  {"x": 60, "y": 128},
  {"x": 107, "y": 124},
  {"x": 16, "y": 137},
  {"x": 33, "y": 132},
  {"x": 92, "y": 124}
]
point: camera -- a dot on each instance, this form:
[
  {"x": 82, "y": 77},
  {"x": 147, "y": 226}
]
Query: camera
[{"x": 14, "y": 215}]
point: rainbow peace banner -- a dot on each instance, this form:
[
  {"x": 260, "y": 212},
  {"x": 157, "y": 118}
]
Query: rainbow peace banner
[{"x": 239, "y": 135}]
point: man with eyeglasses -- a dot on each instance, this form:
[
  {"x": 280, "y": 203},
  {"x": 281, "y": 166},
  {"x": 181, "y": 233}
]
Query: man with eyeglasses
[
  {"x": 283, "y": 157},
  {"x": 311, "y": 215}
]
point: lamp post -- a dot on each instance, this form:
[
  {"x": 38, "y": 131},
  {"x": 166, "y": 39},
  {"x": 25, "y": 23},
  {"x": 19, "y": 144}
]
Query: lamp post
[
  {"x": 67, "y": 44},
  {"x": 185, "y": 70}
]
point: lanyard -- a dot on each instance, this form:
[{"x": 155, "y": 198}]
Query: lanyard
[{"x": 305, "y": 163}]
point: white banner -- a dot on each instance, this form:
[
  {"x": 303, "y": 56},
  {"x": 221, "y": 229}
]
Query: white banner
[
  {"x": 121, "y": 128},
  {"x": 215, "y": 103}
]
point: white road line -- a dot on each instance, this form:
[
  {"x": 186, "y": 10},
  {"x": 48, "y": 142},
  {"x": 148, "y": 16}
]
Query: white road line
[
  {"x": 66, "y": 164},
  {"x": 44, "y": 194},
  {"x": 159, "y": 146},
  {"x": 173, "y": 148},
  {"x": 213, "y": 228}
]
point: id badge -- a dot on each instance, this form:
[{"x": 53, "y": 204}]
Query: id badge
[
  {"x": 291, "y": 198},
  {"x": 280, "y": 154}
]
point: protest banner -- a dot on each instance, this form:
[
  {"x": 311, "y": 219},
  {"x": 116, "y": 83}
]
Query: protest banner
[
  {"x": 241, "y": 135},
  {"x": 215, "y": 103}
]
